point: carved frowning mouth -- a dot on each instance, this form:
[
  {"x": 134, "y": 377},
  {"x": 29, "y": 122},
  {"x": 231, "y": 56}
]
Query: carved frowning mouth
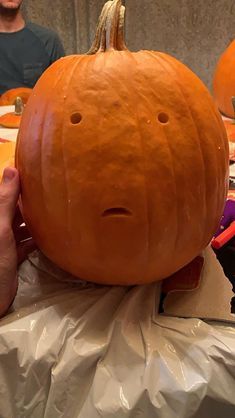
[{"x": 116, "y": 212}]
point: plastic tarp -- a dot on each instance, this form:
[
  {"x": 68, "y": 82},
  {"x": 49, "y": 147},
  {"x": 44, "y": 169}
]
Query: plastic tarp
[{"x": 71, "y": 349}]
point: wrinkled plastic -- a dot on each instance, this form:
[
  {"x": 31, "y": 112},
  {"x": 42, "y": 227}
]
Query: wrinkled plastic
[{"x": 71, "y": 349}]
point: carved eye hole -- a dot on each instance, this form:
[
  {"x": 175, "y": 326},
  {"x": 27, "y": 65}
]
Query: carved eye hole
[
  {"x": 163, "y": 117},
  {"x": 76, "y": 118}
]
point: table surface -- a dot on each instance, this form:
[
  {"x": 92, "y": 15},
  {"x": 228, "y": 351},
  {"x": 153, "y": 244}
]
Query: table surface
[{"x": 9, "y": 134}]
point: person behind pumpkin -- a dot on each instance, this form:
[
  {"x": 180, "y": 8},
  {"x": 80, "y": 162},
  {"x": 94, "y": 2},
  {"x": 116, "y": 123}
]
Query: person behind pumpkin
[{"x": 26, "y": 49}]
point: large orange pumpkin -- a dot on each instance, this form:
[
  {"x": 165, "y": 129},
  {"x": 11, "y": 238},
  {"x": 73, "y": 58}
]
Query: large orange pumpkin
[
  {"x": 224, "y": 81},
  {"x": 123, "y": 161},
  {"x": 8, "y": 98}
]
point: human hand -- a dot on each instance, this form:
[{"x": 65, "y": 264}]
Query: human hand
[{"x": 15, "y": 241}]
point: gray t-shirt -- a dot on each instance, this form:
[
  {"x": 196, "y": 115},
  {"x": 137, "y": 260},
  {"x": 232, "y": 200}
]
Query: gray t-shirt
[{"x": 25, "y": 54}]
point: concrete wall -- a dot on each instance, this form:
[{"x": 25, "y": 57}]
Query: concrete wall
[{"x": 194, "y": 31}]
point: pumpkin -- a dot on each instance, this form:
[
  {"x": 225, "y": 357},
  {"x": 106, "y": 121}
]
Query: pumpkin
[
  {"x": 230, "y": 130},
  {"x": 224, "y": 81},
  {"x": 8, "y": 98},
  {"x": 123, "y": 160},
  {"x": 7, "y": 156},
  {"x": 230, "y": 123},
  {"x": 12, "y": 119}
]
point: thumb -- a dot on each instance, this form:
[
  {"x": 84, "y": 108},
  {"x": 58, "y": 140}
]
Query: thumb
[{"x": 9, "y": 194}]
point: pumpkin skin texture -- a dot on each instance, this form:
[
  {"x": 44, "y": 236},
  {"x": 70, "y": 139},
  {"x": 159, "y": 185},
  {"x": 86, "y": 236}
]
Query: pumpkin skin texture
[
  {"x": 123, "y": 160},
  {"x": 224, "y": 81},
  {"x": 8, "y": 98}
]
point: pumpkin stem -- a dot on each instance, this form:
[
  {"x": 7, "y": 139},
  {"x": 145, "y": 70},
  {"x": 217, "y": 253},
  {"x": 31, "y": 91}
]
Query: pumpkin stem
[
  {"x": 110, "y": 28},
  {"x": 18, "y": 106},
  {"x": 121, "y": 35}
]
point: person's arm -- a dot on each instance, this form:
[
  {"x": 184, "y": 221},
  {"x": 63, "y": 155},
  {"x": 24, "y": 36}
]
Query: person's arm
[{"x": 14, "y": 242}]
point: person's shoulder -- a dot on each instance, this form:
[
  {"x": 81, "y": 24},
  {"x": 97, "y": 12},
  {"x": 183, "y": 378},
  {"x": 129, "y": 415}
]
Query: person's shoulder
[
  {"x": 42, "y": 32},
  {"x": 50, "y": 39}
]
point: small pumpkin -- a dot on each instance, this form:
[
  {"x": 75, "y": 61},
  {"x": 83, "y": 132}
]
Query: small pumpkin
[
  {"x": 230, "y": 123},
  {"x": 7, "y": 156},
  {"x": 12, "y": 119},
  {"x": 230, "y": 129},
  {"x": 224, "y": 81},
  {"x": 8, "y": 98},
  {"x": 103, "y": 139}
]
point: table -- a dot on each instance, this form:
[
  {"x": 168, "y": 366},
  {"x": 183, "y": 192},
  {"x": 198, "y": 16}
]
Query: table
[{"x": 7, "y": 134}]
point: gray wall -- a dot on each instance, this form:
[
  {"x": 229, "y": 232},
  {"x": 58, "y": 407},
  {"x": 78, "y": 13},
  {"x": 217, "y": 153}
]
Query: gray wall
[{"x": 194, "y": 31}]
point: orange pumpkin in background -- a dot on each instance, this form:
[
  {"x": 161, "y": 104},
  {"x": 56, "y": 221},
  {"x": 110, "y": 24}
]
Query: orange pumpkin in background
[
  {"x": 230, "y": 129},
  {"x": 123, "y": 160},
  {"x": 224, "y": 81},
  {"x": 13, "y": 119},
  {"x": 8, "y": 98}
]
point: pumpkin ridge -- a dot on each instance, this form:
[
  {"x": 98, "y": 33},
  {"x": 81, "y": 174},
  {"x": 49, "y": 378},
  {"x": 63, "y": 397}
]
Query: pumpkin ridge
[
  {"x": 218, "y": 120},
  {"x": 175, "y": 184},
  {"x": 177, "y": 81},
  {"x": 204, "y": 166},
  {"x": 218, "y": 166},
  {"x": 134, "y": 56},
  {"x": 64, "y": 159},
  {"x": 224, "y": 142},
  {"x": 43, "y": 139},
  {"x": 135, "y": 117},
  {"x": 172, "y": 159},
  {"x": 136, "y": 93}
]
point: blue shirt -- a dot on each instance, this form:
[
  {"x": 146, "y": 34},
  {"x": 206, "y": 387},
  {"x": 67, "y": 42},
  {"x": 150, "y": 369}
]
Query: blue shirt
[{"x": 25, "y": 54}]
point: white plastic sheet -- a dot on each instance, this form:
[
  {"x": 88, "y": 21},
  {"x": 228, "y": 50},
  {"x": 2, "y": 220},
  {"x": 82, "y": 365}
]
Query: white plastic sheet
[{"x": 70, "y": 349}]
